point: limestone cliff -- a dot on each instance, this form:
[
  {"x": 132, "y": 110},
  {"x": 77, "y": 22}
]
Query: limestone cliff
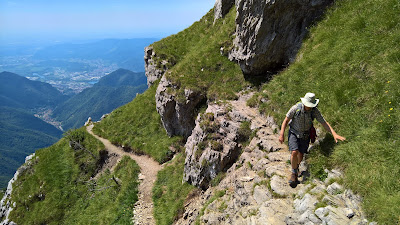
[
  {"x": 177, "y": 116},
  {"x": 269, "y": 33},
  {"x": 154, "y": 70}
]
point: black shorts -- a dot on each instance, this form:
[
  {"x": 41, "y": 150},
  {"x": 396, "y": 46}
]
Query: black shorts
[{"x": 298, "y": 143}]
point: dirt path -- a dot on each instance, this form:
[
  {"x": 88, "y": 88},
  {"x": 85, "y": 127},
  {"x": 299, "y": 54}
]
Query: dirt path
[{"x": 143, "y": 211}]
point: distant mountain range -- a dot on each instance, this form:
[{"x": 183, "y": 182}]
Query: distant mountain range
[
  {"x": 19, "y": 92},
  {"x": 21, "y": 133},
  {"x": 112, "y": 91},
  {"x": 126, "y": 53}
]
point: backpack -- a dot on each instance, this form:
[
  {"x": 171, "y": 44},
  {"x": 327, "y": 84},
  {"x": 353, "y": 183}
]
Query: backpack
[{"x": 313, "y": 132}]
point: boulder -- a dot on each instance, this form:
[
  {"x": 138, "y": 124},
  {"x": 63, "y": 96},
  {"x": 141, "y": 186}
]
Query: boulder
[
  {"x": 308, "y": 202},
  {"x": 269, "y": 33},
  {"x": 88, "y": 122}
]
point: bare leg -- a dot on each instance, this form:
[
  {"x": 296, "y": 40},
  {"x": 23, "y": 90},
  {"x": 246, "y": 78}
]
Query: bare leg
[
  {"x": 299, "y": 158},
  {"x": 296, "y": 158}
]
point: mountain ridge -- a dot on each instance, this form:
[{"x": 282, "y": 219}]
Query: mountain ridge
[
  {"x": 112, "y": 91},
  {"x": 357, "y": 86}
]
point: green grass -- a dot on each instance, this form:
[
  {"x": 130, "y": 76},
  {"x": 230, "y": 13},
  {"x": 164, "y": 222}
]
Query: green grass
[
  {"x": 351, "y": 61},
  {"x": 115, "y": 203},
  {"x": 57, "y": 189},
  {"x": 197, "y": 61},
  {"x": 137, "y": 125},
  {"x": 169, "y": 193}
]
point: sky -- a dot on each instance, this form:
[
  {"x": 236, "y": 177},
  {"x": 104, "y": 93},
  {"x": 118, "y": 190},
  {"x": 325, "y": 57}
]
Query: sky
[{"x": 60, "y": 20}]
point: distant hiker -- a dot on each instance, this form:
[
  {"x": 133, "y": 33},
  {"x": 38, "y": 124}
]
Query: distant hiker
[{"x": 301, "y": 118}]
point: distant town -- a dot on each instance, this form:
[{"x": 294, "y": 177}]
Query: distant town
[{"x": 70, "y": 76}]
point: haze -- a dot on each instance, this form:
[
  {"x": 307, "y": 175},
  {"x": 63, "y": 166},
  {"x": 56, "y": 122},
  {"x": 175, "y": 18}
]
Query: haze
[{"x": 23, "y": 21}]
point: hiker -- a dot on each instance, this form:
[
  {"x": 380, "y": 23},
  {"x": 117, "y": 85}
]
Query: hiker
[{"x": 301, "y": 118}]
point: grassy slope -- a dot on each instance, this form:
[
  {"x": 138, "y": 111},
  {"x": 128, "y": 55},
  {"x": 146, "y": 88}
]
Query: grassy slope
[
  {"x": 21, "y": 134},
  {"x": 61, "y": 175},
  {"x": 138, "y": 125},
  {"x": 199, "y": 63},
  {"x": 351, "y": 61},
  {"x": 353, "y": 73},
  {"x": 169, "y": 193},
  {"x": 112, "y": 91}
]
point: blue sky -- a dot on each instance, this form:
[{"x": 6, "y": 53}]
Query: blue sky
[{"x": 90, "y": 19}]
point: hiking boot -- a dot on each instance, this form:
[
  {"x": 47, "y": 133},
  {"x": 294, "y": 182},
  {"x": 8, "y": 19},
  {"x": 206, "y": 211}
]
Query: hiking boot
[{"x": 293, "y": 180}]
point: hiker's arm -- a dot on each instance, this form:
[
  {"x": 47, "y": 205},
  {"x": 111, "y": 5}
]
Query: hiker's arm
[
  {"x": 328, "y": 128},
  {"x": 282, "y": 134}
]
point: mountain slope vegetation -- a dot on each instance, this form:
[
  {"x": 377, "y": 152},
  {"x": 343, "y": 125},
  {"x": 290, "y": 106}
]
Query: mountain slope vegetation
[
  {"x": 195, "y": 59},
  {"x": 112, "y": 91},
  {"x": 350, "y": 60},
  {"x": 21, "y": 134},
  {"x": 355, "y": 74},
  {"x": 137, "y": 126},
  {"x": 19, "y": 92},
  {"x": 57, "y": 187}
]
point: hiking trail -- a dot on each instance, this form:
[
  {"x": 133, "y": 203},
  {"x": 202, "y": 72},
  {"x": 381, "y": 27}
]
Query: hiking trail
[
  {"x": 143, "y": 210},
  {"x": 255, "y": 189}
]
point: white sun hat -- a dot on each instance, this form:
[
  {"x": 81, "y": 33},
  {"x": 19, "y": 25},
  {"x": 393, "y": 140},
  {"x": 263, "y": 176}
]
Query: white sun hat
[{"x": 309, "y": 100}]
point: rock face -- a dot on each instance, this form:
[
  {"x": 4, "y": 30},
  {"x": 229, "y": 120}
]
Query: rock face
[
  {"x": 153, "y": 72},
  {"x": 269, "y": 33},
  {"x": 222, "y": 7},
  {"x": 212, "y": 147},
  {"x": 177, "y": 116}
]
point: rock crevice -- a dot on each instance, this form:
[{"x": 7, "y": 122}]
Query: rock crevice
[{"x": 177, "y": 116}]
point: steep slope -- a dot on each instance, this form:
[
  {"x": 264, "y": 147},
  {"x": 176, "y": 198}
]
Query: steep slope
[
  {"x": 141, "y": 131},
  {"x": 21, "y": 133},
  {"x": 112, "y": 91},
  {"x": 355, "y": 73},
  {"x": 19, "y": 92},
  {"x": 254, "y": 189},
  {"x": 57, "y": 186}
]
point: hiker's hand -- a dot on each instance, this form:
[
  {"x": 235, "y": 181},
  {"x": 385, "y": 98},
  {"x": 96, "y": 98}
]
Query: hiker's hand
[
  {"x": 281, "y": 138},
  {"x": 338, "y": 137}
]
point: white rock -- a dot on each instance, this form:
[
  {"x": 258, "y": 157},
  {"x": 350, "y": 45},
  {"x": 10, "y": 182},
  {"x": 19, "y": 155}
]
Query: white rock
[
  {"x": 308, "y": 202},
  {"x": 349, "y": 213},
  {"x": 141, "y": 176},
  {"x": 334, "y": 189},
  {"x": 279, "y": 185},
  {"x": 261, "y": 194}
]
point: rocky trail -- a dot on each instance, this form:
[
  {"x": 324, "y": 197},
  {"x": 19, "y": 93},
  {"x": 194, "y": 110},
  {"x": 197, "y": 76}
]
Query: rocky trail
[
  {"x": 143, "y": 211},
  {"x": 255, "y": 190}
]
